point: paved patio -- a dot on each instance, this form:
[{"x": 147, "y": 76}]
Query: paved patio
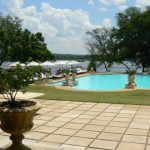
[{"x": 70, "y": 125}]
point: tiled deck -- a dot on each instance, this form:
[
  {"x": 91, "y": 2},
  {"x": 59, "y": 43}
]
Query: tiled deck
[{"x": 88, "y": 126}]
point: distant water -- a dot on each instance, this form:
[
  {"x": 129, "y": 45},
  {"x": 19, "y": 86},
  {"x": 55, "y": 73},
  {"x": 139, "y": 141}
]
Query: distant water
[{"x": 115, "y": 68}]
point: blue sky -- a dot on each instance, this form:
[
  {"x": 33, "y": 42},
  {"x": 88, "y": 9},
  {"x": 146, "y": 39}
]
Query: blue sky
[{"x": 64, "y": 22}]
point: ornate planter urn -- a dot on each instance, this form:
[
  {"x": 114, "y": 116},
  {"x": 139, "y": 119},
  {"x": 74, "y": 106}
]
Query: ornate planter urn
[
  {"x": 67, "y": 77},
  {"x": 66, "y": 83},
  {"x": 74, "y": 76},
  {"x": 131, "y": 82},
  {"x": 74, "y": 81},
  {"x": 17, "y": 121}
]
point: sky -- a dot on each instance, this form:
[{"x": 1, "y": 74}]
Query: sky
[{"x": 64, "y": 23}]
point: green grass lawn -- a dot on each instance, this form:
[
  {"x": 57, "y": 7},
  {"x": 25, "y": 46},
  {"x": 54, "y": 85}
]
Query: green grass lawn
[{"x": 141, "y": 97}]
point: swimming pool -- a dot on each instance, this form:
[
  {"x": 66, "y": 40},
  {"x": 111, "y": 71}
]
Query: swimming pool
[{"x": 109, "y": 81}]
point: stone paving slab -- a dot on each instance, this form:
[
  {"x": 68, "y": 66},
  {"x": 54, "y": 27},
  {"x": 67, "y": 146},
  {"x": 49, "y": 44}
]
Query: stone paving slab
[
  {"x": 66, "y": 125},
  {"x": 37, "y": 148}
]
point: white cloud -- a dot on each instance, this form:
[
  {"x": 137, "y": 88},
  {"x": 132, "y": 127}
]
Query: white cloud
[
  {"x": 91, "y": 2},
  {"x": 11, "y": 3},
  {"x": 103, "y": 9},
  {"x": 142, "y": 3},
  {"x": 107, "y": 23},
  {"x": 63, "y": 29},
  {"x": 113, "y": 2}
]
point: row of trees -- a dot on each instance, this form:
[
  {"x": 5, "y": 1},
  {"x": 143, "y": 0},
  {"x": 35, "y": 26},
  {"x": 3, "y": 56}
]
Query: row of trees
[
  {"x": 128, "y": 41},
  {"x": 71, "y": 57},
  {"x": 17, "y": 44}
]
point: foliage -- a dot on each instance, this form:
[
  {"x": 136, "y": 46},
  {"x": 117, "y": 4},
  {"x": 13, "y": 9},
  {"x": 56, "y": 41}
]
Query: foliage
[
  {"x": 66, "y": 71},
  {"x": 71, "y": 57},
  {"x": 10, "y": 28},
  {"x": 91, "y": 66},
  {"x": 131, "y": 72},
  {"x": 14, "y": 80},
  {"x": 35, "y": 69},
  {"x": 17, "y": 44},
  {"x": 73, "y": 70},
  {"x": 132, "y": 35},
  {"x": 30, "y": 47},
  {"x": 128, "y": 41}
]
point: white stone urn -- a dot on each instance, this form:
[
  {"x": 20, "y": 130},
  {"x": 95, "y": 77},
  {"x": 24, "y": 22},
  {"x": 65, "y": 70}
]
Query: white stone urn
[
  {"x": 66, "y": 83},
  {"x": 74, "y": 81},
  {"x": 131, "y": 82},
  {"x": 67, "y": 76},
  {"x": 74, "y": 76}
]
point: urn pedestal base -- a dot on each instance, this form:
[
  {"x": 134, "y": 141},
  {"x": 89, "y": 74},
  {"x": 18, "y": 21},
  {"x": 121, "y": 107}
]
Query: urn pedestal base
[
  {"x": 17, "y": 143},
  {"x": 75, "y": 82},
  {"x": 127, "y": 86},
  {"x": 66, "y": 84},
  {"x": 131, "y": 82}
]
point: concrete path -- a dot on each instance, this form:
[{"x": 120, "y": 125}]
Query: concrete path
[
  {"x": 70, "y": 125},
  {"x": 27, "y": 95}
]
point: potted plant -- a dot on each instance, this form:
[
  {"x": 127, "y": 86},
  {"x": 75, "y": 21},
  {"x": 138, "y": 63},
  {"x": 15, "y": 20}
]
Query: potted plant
[
  {"x": 67, "y": 76},
  {"x": 131, "y": 79},
  {"x": 16, "y": 116},
  {"x": 92, "y": 66},
  {"x": 74, "y": 74},
  {"x": 37, "y": 70},
  {"x": 47, "y": 77}
]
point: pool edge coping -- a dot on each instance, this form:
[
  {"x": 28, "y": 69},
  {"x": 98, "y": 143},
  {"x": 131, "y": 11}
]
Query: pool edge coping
[{"x": 67, "y": 88}]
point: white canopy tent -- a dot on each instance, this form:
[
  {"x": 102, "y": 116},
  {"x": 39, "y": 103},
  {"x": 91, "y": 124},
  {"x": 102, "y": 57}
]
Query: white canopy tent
[
  {"x": 33, "y": 63},
  {"x": 47, "y": 64},
  {"x": 61, "y": 63},
  {"x": 17, "y": 63},
  {"x": 73, "y": 63}
]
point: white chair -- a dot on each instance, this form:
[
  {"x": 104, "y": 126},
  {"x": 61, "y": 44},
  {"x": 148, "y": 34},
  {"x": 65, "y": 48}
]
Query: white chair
[
  {"x": 43, "y": 76},
  {"x": 79, "y": 71}
]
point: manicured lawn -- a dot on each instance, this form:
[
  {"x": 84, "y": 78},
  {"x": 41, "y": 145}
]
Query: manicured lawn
[{"x": 129, "y": 97}]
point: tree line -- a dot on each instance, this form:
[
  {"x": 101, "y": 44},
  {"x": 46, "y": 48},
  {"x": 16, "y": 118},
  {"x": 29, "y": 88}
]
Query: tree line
[
  {"x": 128, "y": 41},
  {"x": 71, "y": 57}
]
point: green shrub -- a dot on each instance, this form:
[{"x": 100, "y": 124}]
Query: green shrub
[
  {"x": 14, "y": 80},
  {"x": 66, "y": 71},
  {"x": 131, "y": 72},
  {"x": 91, "y": 66}
]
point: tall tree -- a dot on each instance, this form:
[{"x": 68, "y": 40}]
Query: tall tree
[
  {"x": 29, "y": 46},
  {"x": 97, "y": 44},
  {"x": 17, "y": 44},
  {"x": 132, "y": 35},
  {"x": 9, "y": 27}
]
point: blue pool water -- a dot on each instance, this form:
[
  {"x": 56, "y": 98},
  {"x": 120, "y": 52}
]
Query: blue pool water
[{"x": 109, "y": 82}]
